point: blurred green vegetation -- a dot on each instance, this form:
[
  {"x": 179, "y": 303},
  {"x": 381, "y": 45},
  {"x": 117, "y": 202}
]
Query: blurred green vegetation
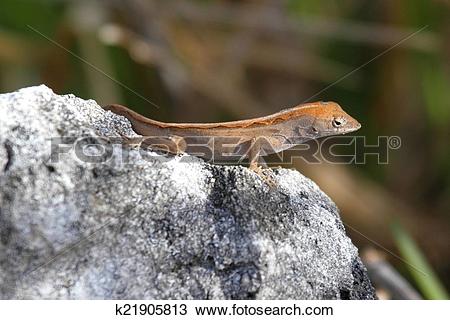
[{"x": 220, "y": 60}]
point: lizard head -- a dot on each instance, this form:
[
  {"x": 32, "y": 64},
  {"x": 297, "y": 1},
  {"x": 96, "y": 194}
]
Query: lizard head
[
  {"x": 333, "y": 120},
  {"x": 326, "y": 119}
]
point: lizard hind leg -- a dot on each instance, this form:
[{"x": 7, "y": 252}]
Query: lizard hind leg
[
  {"x": 179, "y": 145},
  {"x": 174, "y": 145},
  {"x": 133, "y": 142}
]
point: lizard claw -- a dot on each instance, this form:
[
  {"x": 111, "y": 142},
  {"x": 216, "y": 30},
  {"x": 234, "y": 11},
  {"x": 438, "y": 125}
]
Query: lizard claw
[{"x": 266, "y": 174}]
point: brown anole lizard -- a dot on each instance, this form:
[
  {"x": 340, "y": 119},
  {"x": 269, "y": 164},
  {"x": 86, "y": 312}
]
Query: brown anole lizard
[{"x": 252, "y": 138}]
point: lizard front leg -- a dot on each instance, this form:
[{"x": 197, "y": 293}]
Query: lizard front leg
[{"x": 257, "y": 163}]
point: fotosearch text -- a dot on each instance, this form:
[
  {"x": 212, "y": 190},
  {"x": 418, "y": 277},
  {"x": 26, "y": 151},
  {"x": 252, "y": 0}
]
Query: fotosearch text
[{"x": 335, "y": 149}]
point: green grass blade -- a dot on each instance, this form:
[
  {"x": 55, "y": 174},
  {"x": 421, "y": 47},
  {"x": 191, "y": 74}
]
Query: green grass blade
[{"x": 420, "y": 269}]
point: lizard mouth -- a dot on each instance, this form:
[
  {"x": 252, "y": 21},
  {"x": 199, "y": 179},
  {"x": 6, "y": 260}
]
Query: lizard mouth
[
  {"x": 357, "y": 127},
  {"x": 353, "y": 128}
]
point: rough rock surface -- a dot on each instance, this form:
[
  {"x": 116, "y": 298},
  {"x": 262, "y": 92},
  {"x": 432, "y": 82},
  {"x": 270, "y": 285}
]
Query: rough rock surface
[{"x": 145, "y": 226}]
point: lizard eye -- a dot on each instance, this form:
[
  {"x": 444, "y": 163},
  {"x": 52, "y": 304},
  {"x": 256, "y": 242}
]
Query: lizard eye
[{"x": 337, "y": 122}]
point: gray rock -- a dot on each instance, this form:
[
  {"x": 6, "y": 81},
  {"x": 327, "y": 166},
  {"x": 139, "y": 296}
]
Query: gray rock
[{"x": 139, "y": 225}]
